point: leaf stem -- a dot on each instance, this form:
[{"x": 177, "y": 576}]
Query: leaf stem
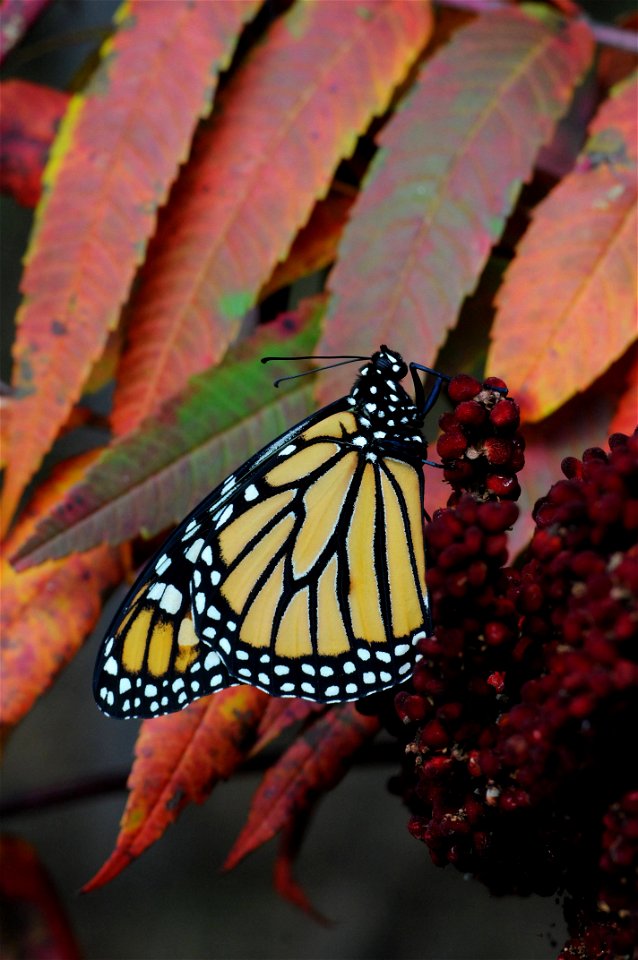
[
  {"x": 607, "y": 35},
  {"x": 34, "y": 801}
]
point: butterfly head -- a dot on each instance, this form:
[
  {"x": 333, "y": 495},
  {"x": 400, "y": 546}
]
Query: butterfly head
[
  {"x": 389, "y": 363},
  {"x": 386, "y": 414}
]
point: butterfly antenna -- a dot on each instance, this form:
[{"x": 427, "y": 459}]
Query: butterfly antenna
[
  {"x": 318, "y": 356},
  {"x": 306, "y": 373}
]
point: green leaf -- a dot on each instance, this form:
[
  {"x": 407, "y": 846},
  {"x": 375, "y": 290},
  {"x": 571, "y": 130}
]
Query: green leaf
[{"x": 157, "y": 474}]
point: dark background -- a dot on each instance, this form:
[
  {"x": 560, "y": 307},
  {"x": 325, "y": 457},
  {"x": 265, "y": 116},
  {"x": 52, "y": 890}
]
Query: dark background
[{"x": 359, "y": 864}]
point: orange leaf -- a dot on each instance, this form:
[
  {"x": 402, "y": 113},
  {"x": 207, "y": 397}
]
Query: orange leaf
[
  {"x": 117, "y": 152},
  {"x": 178, "y": 760},
  {"x": 47, "y": 611},
  {"x": 567, "y": 308},
  {"x": 46, "y": 614},
  {"x": 316, "y": 761},
  {"x": 290, "y": 113},
  {"x": 449, "y": 169},
  {"x": 28, "y": 122},
  {"x": 315, "y": 246},
  {"x": 34, "y": 922}
]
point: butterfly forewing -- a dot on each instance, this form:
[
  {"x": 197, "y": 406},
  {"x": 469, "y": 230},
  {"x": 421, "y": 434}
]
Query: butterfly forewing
[{"x": 152, "y": 661}]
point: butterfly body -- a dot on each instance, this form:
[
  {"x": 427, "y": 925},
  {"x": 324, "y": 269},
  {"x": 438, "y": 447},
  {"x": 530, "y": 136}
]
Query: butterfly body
[{"x": 302, "y": 574}]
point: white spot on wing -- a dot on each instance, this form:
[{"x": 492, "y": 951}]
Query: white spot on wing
[
  {"x": 224, "y": 515},
  {"x": 207, "y": 556},
  {"x": 163, "y": 564},
  {"x": 171, "y": 599},
  {"x": 156, "y": 591},
  {"x": 111, "y": 666},
  {"x": 194, "y": 550},
  {"x": 251, "y": 492}
]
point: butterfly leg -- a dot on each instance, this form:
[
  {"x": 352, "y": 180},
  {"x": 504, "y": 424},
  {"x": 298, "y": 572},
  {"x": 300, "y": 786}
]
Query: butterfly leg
[{"x": 424, "y": 401}]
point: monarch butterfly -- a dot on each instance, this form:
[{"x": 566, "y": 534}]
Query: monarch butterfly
[{"x": 303, "y": 573}]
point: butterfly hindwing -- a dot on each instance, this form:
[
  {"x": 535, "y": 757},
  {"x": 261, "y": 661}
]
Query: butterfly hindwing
[{"x": 152, "y": 662}]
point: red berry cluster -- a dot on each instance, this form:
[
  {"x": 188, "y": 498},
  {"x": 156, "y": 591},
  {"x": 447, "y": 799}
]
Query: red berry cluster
[
  {"x": 523, "y": 712},
  {"x": 479, "y": 446}
]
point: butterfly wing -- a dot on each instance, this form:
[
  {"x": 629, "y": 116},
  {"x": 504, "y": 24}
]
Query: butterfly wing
[
  {"x": 302, "y": 574},
  {"x": 311, "y": 579},
  {"x": 152, "y": 660}
]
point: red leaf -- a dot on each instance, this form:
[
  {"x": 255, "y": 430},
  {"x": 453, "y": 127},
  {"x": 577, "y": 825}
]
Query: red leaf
[
  {"x": 281, "y": 714},
  {"x": 614, "y": 65},
  {"x": 585, "y": 421},
  {"x": 178, "y": 760},
  {"x": 28, "y": 122},
  {"x": 284, "y": 881},
  {"x": 450, "y": 165},
  {"x": 316, "y": 761},
  {"x": 626, "y": 417},
  {"x": 290, "y": 113},
  {"x": 117, "y": 152},
  {"x": 34, "y": 922},
  {"x": 567, "y": 308}
]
